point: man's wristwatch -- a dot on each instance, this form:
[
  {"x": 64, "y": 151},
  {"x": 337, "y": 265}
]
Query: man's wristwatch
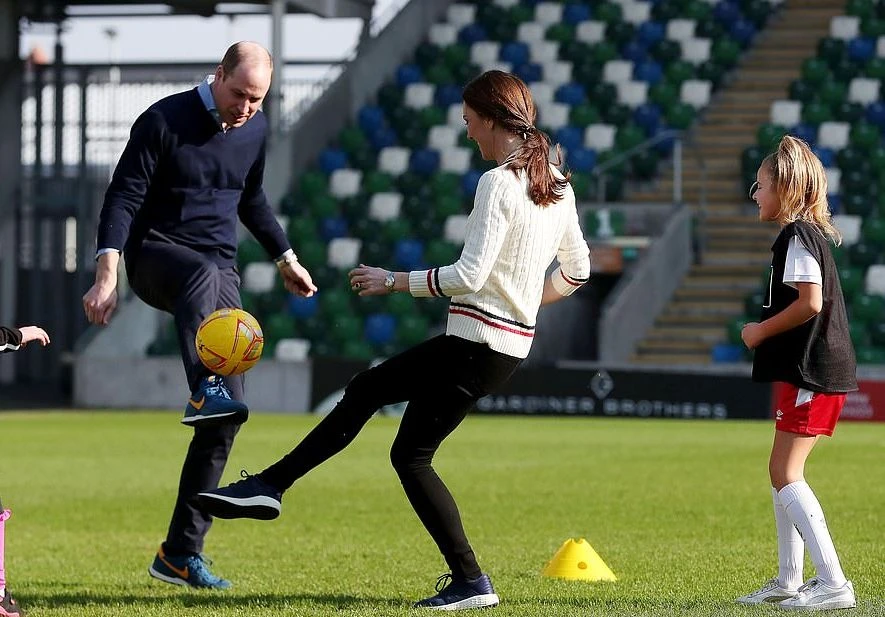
[
  {"x": 286, "y": 258},
  {"x": 389, "y": 281}
]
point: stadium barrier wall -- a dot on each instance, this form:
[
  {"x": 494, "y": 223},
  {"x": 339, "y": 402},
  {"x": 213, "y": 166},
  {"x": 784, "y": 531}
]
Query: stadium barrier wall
[{"x": 643, "y": 292}]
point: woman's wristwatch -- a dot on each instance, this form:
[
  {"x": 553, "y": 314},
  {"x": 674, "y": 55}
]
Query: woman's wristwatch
[{"x": 389, "y": 282}]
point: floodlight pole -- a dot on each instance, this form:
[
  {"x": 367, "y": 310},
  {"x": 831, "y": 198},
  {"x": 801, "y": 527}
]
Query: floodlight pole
[{"x": 275, "y": 96}]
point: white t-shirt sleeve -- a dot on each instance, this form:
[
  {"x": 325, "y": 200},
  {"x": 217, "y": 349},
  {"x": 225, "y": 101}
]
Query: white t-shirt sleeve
[{"x": 801, "y": 266}]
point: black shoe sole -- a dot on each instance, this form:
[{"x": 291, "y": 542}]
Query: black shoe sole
[{"x": 222, "y": 508}]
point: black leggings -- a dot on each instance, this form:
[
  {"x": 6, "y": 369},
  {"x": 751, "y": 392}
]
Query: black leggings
[{"x": 441, "y": 378}]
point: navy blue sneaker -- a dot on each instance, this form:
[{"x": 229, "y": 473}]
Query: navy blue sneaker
[
  {"x": 459, "y": 594},
  {"x": 247, "y": 498},
  {"x": 211, "y": 405},
  {"x": 189, "y": 570}
]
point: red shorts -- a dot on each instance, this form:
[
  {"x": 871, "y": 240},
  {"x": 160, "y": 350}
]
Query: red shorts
[{"x": 805, "y": 412}]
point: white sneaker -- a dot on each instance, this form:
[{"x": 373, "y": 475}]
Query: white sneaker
[
  {"x": 815, "y": 595},
  {"x": 769, "y": 592}
]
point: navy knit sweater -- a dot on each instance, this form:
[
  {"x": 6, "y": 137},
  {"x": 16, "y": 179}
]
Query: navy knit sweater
[{"x": 183, "y": 180}]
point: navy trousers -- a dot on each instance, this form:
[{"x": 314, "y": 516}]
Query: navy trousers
[{"x": 183, "y": 282}]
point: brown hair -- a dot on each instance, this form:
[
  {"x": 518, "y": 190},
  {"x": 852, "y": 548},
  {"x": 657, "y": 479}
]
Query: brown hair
[
  {"x": 801, "y": 185},
  {"x": 506, "y": 100},
  {"x": 242, "y": 53}
]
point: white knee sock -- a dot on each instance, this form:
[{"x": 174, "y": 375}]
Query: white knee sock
[
  {"x": 790, "y": 548},
  {"x": 805, "y": 512}
]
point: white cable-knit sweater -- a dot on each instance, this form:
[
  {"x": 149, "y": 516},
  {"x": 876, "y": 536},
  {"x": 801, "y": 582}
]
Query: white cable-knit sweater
[{"x": 497, "y": 283}]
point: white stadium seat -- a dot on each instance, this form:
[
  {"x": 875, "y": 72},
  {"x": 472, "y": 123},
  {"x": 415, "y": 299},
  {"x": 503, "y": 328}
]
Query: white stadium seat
[
  {"x": 636, "y": 13},
  {"x": 455, "y": 228},
  {"x": 680, "y": 29},
  {"x": 880, "y": 47},
  {"x": 292, "y": 350},
  {"x": 460, "y": 15},
  {"x": 484, "y": 52},
  {"x": 834, "y": 180},
  {"x": 259, "y": 277},
  {"x": 455, "y": 116},
  {"x": 443, "y": 35},
  {"x": 696, "y": 92},
  {"x": 506, "y": 3},
  {"x": 345, "y": 182},
  {"x": 343, "y": 253},
  {"x": 530, "y": 31},
  {"x": 874, "y": 282},
  {"x": 553, "y": 115},
  {"x": 385, "y": 206},
  {"x": 543, "y": 51},
  {"x": 844, "y": 27},
  {"x": 617, "y": 71},
  {"x": 394, "y": 160},
  {"x": 590, "y": 32},
  {"x": 455, "y": 159},
  {"x": 864, "y": 90},
  {"x": 600, "y": 137},
  {"x": 542, "y": 92},
  {"x": 419, "y": 95},
  {"x": 849, "y": 226},
  {"x": 442, "y": 136},
  {"x": 633, "y": 93},
  {"x": 696, "y": 51},
  {"x": 786, "y": 113},
  {"x": 548, "y": 13},
  {"x": 497, "y": 65},
  {"x": 557, "y": 73},
  {"x": 833, "y": 135}
]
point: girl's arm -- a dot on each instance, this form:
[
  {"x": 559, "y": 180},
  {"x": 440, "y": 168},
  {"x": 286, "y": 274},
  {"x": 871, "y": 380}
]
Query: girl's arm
[{"x": 803, "y": 308}]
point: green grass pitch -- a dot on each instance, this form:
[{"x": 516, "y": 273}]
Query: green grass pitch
[{"x": 680, "y": 511}]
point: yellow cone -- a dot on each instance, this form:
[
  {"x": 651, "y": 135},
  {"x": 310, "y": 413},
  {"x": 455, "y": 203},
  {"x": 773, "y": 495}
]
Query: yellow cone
[{"x": 576, "y": 560}]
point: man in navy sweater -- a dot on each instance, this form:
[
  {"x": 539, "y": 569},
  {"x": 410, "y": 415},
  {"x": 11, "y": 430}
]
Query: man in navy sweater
[{"x": 194, "y": 164}]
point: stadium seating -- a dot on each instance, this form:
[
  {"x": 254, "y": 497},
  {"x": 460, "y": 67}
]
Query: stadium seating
[
  {"x": 835, "y": 105},
  {"x": 395, "y": 187}
]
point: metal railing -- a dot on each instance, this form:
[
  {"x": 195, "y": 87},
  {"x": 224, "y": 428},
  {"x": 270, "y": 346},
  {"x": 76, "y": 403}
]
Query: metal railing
[{"x": 601, "y": 171}]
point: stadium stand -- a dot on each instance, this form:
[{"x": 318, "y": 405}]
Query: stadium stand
[{"x": 606, "y": 76}]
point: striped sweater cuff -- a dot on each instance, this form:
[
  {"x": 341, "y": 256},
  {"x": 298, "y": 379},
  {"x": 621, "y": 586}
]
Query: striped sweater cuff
[
  {"x": 425, "y": 283},
  {"x": 565, "y": 284}
]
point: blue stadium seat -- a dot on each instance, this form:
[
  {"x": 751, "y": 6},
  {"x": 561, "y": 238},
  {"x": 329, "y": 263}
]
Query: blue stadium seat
[
  {"x": 806, "y": 132},
  {"x": 408, "y": 74},
  {"x": 332, "y": 227},
  {"x": 634, "y": 51},
  {"x": 726, "y": 13},
  {"x": 370, "y": 118},
  {"x": 650, "y": 32},
  {"x": 380, "y": 328},
  {"x": 570, "y": 137},
  {"x": 515, "y": 52},
  {"x": 742, "y": 31},
  {"x": 424, "y": 161},
  {"x": 861, "y": 49},
  {"x": 575, "y": 13},
  {"x": 530, "y": 72},
  {"x": 469, "y": 182},
  {"x": 382, "y": 137},
  {"x": 648, "y": 71},
  {"x": 331, "y": 159},
  {"x": 448, "y": 94},
  {"x": 726, "y": 352},
  {"x": 571, "y": 94},
  {"x": 302, "y": 307},
  {"x": 826, "y": 155},
  {"x": 875, "y": 114},
  {"x": 648, "y": 117},
  {"x": 581, "y": 159},
  {"x": 471, "y": 33},
  {"x": 409, "y": 254}
]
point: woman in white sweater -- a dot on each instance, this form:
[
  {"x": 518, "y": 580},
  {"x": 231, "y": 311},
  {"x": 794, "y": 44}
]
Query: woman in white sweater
[{"x": 523, "y": 217}]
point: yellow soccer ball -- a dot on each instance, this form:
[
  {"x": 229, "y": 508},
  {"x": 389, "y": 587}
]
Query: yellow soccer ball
[{"x": 229, "y": 341}]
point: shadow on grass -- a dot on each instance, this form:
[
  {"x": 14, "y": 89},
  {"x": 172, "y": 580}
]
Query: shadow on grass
[{"x": 210, "y": 599}]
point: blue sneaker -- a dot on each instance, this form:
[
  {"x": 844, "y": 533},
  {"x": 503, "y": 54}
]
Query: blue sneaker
[
  {"x": 190, "y": 571},
  {"x": 211, "y": 405},
  {"x": 459, "y": 594},
  {"x": 250, "y": 497}
]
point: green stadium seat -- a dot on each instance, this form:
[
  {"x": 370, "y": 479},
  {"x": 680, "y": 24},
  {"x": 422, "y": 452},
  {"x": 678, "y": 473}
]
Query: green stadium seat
[
  {"x": 815, "y": 112},
  {"x": 301, "y": 229},
  {"x": 390, "y": 97},
  {"x": 561, "y": 33},
  {"x": 734, "y": 328},
  {"x": 831, "y": 50},
  {"x": 680, "y": 115},
  {"x": 427, "y": 54},
  {"x": 815, "y": 71},
  {"x": 865, "y": 136},
  {"x": 769, "y": 135},
  {"x": 870, "y": 355},
  {"x": 663, "y": 94},
  {"x": 867, "y": 309},
  {"x": 860, "y": 337},
  {"x": 250, "y": 251},
  {"x": 833, "y": 93},
  {"x": 400, "y": 305},
  {"x": 343, "y": 327},
  {"x": 802, "y": 91},
  {"x": 725, "y": 52},
  {"x": 456, "y": 55},
  {"x": 875, "y": 68},
  {"x": 411, "y": 330},
  {"x": 357, "y": 350},
  {"x": 873, "y": 232},
  {"x": 395, "y": 229},
  {"x": 678, "y": 71},
  {"x": 608, "y": 12}
]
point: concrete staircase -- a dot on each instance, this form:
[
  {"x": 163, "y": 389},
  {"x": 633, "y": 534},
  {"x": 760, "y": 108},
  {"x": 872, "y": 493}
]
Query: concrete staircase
[{"x": 737, "y": 244}]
